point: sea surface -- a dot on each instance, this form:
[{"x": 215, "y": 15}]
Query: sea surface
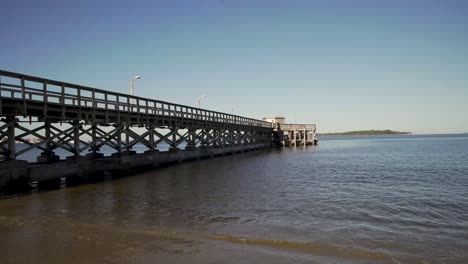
[{"x": 379, "y": 199}]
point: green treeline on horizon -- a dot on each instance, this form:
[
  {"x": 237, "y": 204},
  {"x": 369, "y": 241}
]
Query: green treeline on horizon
[{"x": 365, "y": 133}]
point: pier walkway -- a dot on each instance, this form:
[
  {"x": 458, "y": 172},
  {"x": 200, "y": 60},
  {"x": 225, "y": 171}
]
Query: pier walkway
[{"x": 46, "y": 115}]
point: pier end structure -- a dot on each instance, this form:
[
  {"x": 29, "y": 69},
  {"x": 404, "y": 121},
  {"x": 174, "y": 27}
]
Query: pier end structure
[{"x": 293, "y": 134}]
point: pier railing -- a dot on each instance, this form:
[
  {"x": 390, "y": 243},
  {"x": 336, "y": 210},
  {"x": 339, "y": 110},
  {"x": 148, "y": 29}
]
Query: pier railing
[
  {"x": 25, "y": 88},
  {"x": 298, "y": 127}
]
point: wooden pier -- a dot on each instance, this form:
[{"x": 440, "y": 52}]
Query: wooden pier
[{"x": 81, "y": 120}]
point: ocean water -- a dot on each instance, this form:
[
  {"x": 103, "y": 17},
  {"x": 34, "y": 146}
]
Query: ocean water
[{"x": 389, "y": 199}]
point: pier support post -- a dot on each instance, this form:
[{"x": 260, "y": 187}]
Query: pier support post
[
  {"x": 152, "y": 148},
  {"x": 313, "y": 137},
  {"x": 294, "y": 137},
  {"x": 11, "y": 137},
  {"x": 214, "y": 140},
  {"x": 173, "y": 145},
  {"x": 48, "y": 155},
  {"x": 151, "y": 137},
  {"x": 191, "y": 139},
  {"x": 246, "y": 137},
  {"x": 76, "y": 138},
  {"x": 219, "y": 134},
  {"x": 118, "y": 138},
  {"x": 230, "y": 137},
  {"x": 127, "y": 137},
  {"x": 304, "y": 138},
  {"x": 94, "y": 148},
  {"x": 128, "y": 148},
  {"x": 94, "y": 138},
  {"x": 119, "y": 128}
]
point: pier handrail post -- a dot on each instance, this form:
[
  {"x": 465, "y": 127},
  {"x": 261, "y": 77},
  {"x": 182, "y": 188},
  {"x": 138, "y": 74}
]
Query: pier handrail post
[
  {"x": 94, "y": 105},
  {"x": 44, "y": 97},
  {"x": 107, "y": 109},
  {"x": 78, "y": 94},
  {"x": 23, "y": 96},
  {"x": 62, "y": 100}
]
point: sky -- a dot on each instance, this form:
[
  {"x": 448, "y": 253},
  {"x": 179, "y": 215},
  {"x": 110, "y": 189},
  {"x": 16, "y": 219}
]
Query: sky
[{"x": 344, "y": 65}]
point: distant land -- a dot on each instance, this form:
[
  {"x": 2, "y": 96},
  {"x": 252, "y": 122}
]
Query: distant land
[{"x": 365, "y": 133}]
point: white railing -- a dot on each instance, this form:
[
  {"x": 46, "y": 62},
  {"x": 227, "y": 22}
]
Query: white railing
[{"x": 297, "y": 127}]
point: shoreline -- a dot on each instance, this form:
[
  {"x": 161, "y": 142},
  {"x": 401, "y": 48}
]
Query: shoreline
[
  {"x": 367, "y": 135},
  {"x": 123, "y": 244},
  {"x": 411, "y": 134}
]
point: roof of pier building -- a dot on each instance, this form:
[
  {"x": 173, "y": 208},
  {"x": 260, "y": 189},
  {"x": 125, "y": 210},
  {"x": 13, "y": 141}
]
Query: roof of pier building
[{"x": 276, "y": 119}]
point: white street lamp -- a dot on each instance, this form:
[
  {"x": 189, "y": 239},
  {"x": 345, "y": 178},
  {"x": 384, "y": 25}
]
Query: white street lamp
[
  {"x": 199, "y": 100},
  {"x": 132, "y": 92},
  {"x": 235, "y": 106}
]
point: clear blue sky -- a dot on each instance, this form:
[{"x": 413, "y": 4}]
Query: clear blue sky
[{"x": 345, "y": 65}]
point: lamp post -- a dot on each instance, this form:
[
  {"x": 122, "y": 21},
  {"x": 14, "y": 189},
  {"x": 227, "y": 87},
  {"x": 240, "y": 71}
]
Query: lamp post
[
  {"x": 199, "y": 100},
  {"x": 235, "y": 106},
  {"x": 132, "y": 92}
]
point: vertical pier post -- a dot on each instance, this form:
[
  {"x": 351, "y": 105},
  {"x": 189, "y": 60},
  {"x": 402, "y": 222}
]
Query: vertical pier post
[
  {"x": 119, "y": 139},
  {"x": 173, "y": 146},
  {"x": 295, "y": 137},
  {"x": 304, "y": 138},
  {"x": 220, "y": 135},
  {"x": 127, "y": 137},
  {"x": 11, "y": 138},
  {"x": 13, "y": 172},
  {"x": 94, "y": 138},
  {"x": 94, "y": 150},
  {"x": 120, "y": 127},
  {"x": 47, "y": 136},
  {"x": 214, "y": 141},
  {"x": 193, "y": 133},
  {"x": 313, "y": 138},
  {"x": 48, "y": 155},
  {"x": 191, "y": 139},
  {"x": 151, "y": 137},
  {"x": 152, "y": 148},
  {"x": 76, "y": 138}
]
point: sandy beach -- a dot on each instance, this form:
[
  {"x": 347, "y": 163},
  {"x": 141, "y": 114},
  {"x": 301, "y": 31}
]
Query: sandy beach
[{"x": 61, "y": 240}]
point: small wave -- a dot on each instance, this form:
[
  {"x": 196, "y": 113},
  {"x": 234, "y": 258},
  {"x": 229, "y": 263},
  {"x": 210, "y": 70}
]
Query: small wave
[
  {"x": 220, "y": 219},
  {"x": 310, "y": 247},
  {"x": 319, "y": 249},
  {"x": 327, "y": 250}
]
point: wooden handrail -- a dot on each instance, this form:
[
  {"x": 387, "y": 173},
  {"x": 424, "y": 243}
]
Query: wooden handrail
[{"x": 127, "y": 102}]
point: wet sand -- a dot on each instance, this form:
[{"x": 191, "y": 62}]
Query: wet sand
[{"x": 61, "y": 240}]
